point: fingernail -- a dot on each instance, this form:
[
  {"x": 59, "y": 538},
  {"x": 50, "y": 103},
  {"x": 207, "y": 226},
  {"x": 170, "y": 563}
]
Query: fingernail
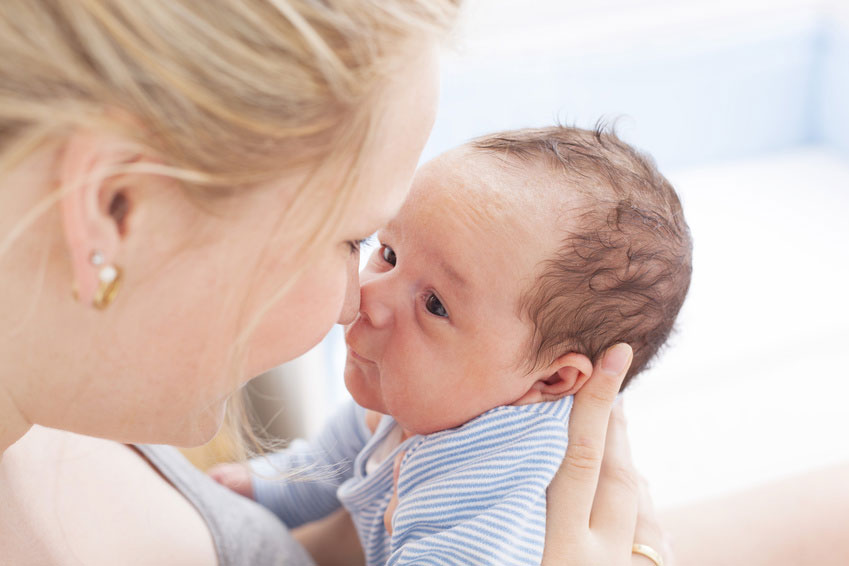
[{"x": 616, "y": 358}]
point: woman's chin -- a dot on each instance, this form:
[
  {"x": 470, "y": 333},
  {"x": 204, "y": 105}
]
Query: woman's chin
[{"x": 200, "y": 428}]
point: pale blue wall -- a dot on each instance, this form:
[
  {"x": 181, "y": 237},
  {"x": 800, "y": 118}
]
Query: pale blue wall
[
  {"x": 692, "y": 105},
  {"x": 833, "y": 111}
]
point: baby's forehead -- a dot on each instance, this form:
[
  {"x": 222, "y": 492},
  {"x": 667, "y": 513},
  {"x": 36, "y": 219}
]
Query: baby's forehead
[
  {"x": 510, "y": 213},
  {"x": 504, "y": 185}
]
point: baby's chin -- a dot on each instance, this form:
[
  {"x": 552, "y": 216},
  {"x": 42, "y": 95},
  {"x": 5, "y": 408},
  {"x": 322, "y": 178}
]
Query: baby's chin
[{"x": 364, "y": 392}]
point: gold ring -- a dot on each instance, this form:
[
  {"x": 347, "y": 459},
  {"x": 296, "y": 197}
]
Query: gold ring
[{"x": 648, "y": 552}]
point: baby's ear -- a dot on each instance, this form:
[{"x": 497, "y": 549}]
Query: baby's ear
[{"x": 564, "y": 376}]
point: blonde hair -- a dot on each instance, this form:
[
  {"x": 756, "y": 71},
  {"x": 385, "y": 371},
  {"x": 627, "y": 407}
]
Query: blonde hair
[
  {"x": 222, "y": 88},
  {"x": 225, "y": 94}
]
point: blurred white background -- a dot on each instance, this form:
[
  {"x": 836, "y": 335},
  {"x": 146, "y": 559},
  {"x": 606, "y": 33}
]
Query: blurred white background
[{"x": 745, "y": 105}]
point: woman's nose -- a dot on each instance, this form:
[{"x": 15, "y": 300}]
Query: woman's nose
[{"x": 351, "y": 306}]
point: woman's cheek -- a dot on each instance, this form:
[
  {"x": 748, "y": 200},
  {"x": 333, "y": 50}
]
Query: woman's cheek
[{"x": 300, "y": 318}]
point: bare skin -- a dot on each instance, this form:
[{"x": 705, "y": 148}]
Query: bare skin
[
  {"x": 799, "y": 520},
  {"x": 65, "y": 497},
  {"x": 597, "y": 507},
  {"x": 72, "y": 499},
  {"x": 44, "y": 522},
  {"x": 597, "y": 499}
]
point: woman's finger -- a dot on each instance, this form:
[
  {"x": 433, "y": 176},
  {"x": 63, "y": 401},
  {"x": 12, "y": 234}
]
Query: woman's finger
[
  {"x": 648, "y": 530},
  {"x": 574, "y": 487},
  {"x": 614, "y": 514}
]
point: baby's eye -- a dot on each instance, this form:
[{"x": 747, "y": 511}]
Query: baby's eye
[
  {"x": 388, "y": 255},
  {"x": 434, "y": 306}
]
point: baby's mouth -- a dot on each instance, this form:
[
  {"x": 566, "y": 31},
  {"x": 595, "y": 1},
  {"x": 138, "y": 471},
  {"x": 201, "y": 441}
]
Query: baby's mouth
[
  {"x": 353, "y": 329},
  {"x": 358, "y": 357}
]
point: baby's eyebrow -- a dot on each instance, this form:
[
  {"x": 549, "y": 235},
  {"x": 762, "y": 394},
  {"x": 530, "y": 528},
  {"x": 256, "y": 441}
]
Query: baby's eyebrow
[
  {"x": 453, "y": 274},
  {"x": 390, "y": 226}
]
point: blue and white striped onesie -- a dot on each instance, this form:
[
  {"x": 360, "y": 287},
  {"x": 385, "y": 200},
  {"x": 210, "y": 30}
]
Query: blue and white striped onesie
[{"x": 474, "y": 494}]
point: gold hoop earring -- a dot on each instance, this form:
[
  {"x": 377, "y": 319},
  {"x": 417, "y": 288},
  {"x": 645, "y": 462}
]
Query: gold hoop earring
[{"x": 107, "y": 289}]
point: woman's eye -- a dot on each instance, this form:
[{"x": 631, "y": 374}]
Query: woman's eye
[
  {"x": 357, "y": 245},
  {"x": 388, "y": 255},
  {"x": 434, "y": 306}
]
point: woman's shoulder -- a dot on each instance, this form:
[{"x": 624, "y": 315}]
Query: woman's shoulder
[
  {"x": 243, "y": 531},
  {"x": 66, "y": 495}
]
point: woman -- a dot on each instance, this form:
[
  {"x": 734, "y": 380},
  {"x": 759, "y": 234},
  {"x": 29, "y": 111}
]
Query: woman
[{"x": 183, "y": 187}]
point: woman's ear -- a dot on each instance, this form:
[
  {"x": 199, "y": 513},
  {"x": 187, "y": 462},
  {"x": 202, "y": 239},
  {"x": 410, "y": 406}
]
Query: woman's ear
[
  {"x": 94, "y": 206},
  {"x": 565, "y": 376}
]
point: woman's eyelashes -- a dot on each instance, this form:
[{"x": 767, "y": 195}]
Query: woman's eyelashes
[{"x": 357, "y": 245}]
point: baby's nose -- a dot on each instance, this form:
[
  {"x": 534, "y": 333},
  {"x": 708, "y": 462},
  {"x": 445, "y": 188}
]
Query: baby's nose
[{"x": 375, "y": 304}]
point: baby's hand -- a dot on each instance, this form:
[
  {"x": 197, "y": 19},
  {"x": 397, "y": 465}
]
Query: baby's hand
[{"x": 236, "y": 477}]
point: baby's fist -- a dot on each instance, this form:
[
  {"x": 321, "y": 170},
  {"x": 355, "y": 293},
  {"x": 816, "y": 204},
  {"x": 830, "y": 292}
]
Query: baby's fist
[{"x": 236, "y": 477}]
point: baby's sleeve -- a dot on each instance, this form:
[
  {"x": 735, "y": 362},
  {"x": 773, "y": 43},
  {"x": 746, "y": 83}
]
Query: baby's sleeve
[
  {"x": 299, "y": 484},
  {"x": 478, "y": 496}
]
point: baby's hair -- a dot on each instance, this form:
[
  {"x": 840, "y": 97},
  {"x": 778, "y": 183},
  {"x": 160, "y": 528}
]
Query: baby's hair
[{"x": 623, "y": 269}]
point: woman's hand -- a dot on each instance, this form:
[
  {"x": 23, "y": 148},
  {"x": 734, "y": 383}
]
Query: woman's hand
[{"x": 598, "y": 507}]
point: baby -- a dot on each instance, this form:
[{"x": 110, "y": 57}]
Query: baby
[{"x": 516, "y": 261}]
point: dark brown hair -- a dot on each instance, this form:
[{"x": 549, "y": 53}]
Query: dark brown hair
[{"x": 623, "y": 269}]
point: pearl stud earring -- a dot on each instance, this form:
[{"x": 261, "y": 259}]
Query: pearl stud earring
[{"x": 109, "y": 278}]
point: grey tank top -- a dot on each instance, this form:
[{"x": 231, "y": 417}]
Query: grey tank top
[{"x": 244, "y": 533}]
